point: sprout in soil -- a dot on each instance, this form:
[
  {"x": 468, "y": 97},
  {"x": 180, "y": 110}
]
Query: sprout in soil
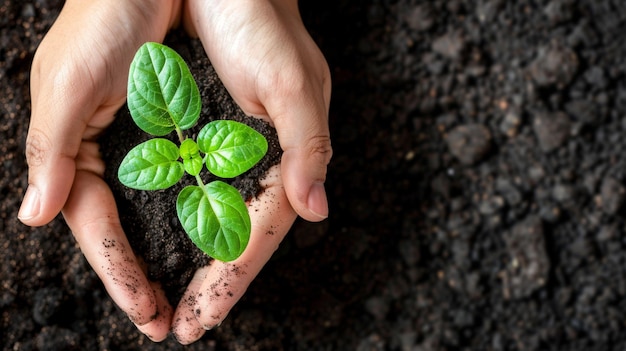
[{"x": 163, "y": 97}]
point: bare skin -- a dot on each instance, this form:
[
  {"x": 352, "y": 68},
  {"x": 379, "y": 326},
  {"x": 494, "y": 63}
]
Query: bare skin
[{"x": 273, "y": 70}]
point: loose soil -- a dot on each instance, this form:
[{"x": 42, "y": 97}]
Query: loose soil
[{"x": 476, "y": 193}]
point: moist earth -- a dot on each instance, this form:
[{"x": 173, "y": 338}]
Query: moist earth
[{"x": 476, "y": 191}]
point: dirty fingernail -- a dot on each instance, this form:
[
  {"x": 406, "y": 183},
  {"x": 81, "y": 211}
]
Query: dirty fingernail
[
  {"x": 30, "y": 204},
  {"x": 317, "y": 202},
  {"x": 206, "y": 327}
]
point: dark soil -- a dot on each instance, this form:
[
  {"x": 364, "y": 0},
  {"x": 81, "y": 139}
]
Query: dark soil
[{"x": 476, "y": 193}]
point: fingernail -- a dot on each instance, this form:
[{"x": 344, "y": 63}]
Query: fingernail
[
  {"x": 206, "y": 327},
  {"x": 213, "y": 326},
  {"x": 317, "y": 202},
  {"x": 30, "y": 204}
]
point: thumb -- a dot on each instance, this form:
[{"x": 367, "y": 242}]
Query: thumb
[
  {"x": 303, "y": 168},
  {"x": 304, "y": 136},
  {"x": 51, "y": 169},
  {"x": 57, "y": 126}
]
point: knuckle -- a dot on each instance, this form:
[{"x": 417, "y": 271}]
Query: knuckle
[
  {"x": 36, "y": 150},
  {"x": 320, "y": 146}
]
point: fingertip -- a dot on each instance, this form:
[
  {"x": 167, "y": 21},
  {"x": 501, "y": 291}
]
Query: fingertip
[
  {"x": 223, "y": 286},
  {"x": 158, "y": 328},
  {"x": 141, "y": 308},
  {"x": 185, "y": 328},
  {"x": 208, "y": 315},
  {"x": 186, "y": 335}
]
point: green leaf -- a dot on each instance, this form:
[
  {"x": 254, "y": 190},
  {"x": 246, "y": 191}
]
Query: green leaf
[
  {"x": 192, "y": 160},
  {"x": 151, "y": 165},
  {"x": 216, "y": 219},
  {"x": 231, "y": 147},
  {"x": 162, "y": 93}
]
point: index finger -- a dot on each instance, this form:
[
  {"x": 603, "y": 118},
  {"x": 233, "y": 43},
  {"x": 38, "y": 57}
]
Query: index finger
[{"x": 92, "y": 215}]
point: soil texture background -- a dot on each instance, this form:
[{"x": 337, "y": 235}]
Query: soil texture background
[{"x": 476, "y": 192}]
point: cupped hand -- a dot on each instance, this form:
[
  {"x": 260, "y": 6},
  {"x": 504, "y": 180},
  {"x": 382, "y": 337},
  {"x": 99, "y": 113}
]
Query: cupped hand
[
  {"x": 78, "y": 82},
  {"x": 273, "y": 70}
]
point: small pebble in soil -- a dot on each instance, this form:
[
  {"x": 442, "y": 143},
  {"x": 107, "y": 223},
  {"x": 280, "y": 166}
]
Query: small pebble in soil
[
  {"x": 612, "y": 195},
  {"x": 469, "y": 143},
  {"x": 551, "y": 129},
  {"x": 449, "y": 45},
  {"x": 555, "y": 65},
  {"x": 421, "y": 17},
  {"x": 529, "y": 265}
]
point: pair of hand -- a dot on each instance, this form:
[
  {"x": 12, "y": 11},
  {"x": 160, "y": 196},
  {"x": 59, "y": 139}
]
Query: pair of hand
[{"x": 273, "y": 70}]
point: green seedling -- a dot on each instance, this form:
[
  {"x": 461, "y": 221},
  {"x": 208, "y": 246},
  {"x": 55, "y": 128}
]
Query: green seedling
[{"x": 162, "y": 98}]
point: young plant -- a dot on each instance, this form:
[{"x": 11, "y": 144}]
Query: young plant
[{"x": 163, "y": 97}]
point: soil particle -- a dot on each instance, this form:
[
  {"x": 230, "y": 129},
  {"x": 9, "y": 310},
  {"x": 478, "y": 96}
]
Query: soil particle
[
  {"x": 612, "y": 194},
  {"x": 583, "y": 110},
  {"x": 469, "y": 143},
  {"x": 510, "y": 123},
  {"x": 555, "y": 65},
  {"x": 509, "y": 191},
  {"x": 551, "y": 129},
  {"x": 487, "y": 10},
  {"x": 528, "y": 266},
  {"x": 558, "y": 11},
  {"x": 450, "y": 45}
]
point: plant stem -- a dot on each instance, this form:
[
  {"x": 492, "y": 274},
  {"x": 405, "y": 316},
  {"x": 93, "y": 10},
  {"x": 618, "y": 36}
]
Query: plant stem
[
  {"x": 201, "y": 185},
  {"x": 200, "y": 182},
  {"x": 179, "y": 132}
]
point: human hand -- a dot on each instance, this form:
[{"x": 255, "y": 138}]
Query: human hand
[
  {"x": 274, "y": 71},
  {"x": 78, "y": 82}
]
